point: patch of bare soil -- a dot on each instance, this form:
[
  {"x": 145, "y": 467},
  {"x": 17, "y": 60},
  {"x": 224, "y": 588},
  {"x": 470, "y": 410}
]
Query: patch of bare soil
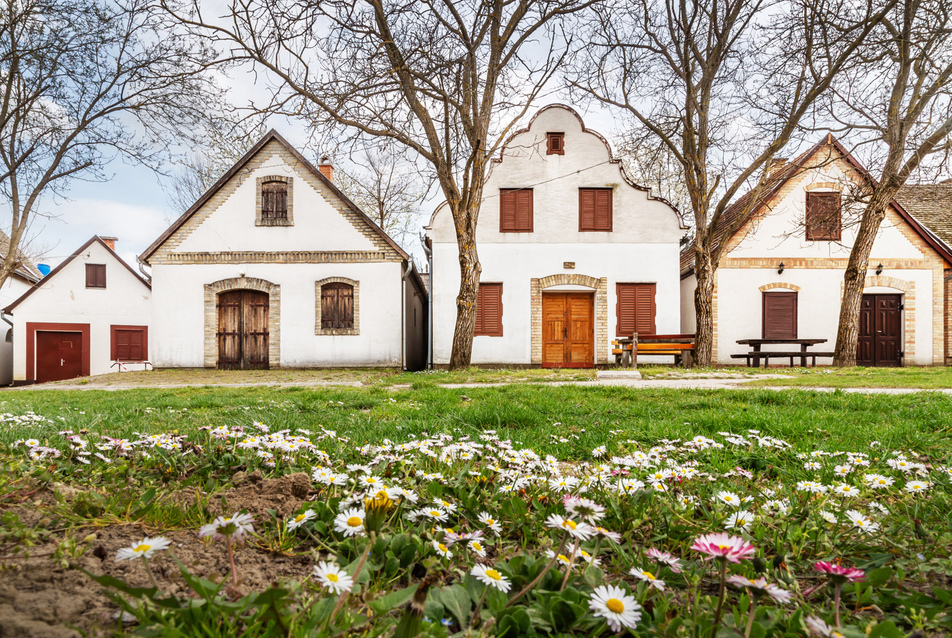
[{"x": 40, "y": 598}]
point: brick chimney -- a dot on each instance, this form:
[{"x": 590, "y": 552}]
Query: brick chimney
[
  {"x": 110, "y": 241},
  {"x": 326, "y": 168}
]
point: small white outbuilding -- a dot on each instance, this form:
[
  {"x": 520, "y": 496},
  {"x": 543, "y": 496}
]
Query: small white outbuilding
[{"x": 90, "y": 315}]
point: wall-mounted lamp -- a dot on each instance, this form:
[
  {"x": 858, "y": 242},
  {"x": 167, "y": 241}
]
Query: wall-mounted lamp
[
  {"x": 780, "y": 269},
  {"x": 879, "y": 269}
]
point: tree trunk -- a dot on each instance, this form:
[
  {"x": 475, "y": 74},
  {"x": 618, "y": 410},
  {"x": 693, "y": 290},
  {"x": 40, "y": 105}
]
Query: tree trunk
[
  {"x": 469, "y": 270},
  {"x": 704, "y": 308},
  {"x": 854, "y": 279}
]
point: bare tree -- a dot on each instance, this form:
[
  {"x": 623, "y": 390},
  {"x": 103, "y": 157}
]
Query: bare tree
[
  {"x": 82, "y": 81},
  {"x": 655, "y": 166},
  {"x": 388, "y": 187},
  {"x": 899, "y": 102},
  {"x": 223, "y": 142},
  {"x": 447, "y": 79},
  {"x": 723, "y": 85}
]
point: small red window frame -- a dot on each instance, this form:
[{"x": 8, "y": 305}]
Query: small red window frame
[
  {"x": 555, "y": 143},
  {"x": 114, "y": 344}
]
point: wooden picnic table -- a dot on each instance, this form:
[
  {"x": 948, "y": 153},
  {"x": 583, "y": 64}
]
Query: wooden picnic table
[{"x": 756, "y": 353}]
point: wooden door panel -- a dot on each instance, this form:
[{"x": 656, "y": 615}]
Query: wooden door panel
[
  {"x": 567, "y": 330},
  {"x": 243, "y": 330},
  {"x": 553, "y": 330},
  {"x": 59, "y": 356},
  {"x": 864, "y": 348},
  {"x": 580, "y": 333},
  {"x": 888, "y": 331}
]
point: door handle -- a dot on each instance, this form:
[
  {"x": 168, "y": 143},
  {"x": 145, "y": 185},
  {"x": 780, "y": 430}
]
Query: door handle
[
  {"x": 62, "y": 362},
  {"x": 565, "y": 333}
]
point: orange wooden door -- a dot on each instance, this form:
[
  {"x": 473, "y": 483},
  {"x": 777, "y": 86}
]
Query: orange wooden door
[{"x": 568, "y": 335}]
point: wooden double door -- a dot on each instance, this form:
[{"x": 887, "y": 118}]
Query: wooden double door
[
  {"x": 243, "y": 330},
  {"x": 880, "y": 331},
  {"x": 568, "y": 330},
  {"x": 59, "y": 355}
]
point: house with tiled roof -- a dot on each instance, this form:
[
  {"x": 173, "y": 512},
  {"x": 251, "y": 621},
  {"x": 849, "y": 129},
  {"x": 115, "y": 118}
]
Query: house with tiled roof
[
  {"x": 781, "y": 273},
  {"x": 275, "y": 267}
]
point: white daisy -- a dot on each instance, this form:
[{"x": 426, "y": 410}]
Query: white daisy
[
  {"x": 739, "y": 520},
  {"x": 915, "y": 487},
  {"x": 490, "y": 522},
  {"x": 615, "y": 606},
  {"x": 300, "y": 519},
  {"x": 333, "y": 577},
  {"x": 478, "y": 548},
  {"x": 350, "y": 522},
  {"x": 728, "y": 497},
  {"x": 442, "y": 550},
  {"x": 491, "y": 577},
  {"x": 144, "y": 548},
  {"x": 648, "y": 577}
]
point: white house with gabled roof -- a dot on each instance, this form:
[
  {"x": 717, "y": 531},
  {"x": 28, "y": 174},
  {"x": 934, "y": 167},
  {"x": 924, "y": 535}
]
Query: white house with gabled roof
[
  {"x": 573, "y": 253},
  {"x": 90, "y": 315}
]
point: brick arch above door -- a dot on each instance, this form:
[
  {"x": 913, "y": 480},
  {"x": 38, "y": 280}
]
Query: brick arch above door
[
  {"x": 211, "y": 316},
  {"x": 598, "y": 286}
]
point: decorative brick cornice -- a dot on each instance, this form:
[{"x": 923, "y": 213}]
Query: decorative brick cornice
[
  {"x": 279, "y": 257},
  {"x": 212, "y": 291},
  {"x": 779, "y": 284},
  {"x": 318, "y": 330}
]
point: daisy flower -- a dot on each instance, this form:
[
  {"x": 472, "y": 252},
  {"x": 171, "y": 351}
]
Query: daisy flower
[
  {"x": 739, "y": 520},
  {"x": 759, "y": 587},
  {"x": 300, "y": 519},
  {"x": 436, "y": 513},
  {"x": 648, "y": 577},
  {"x": 728, "y": 497},
  {"x": 878, "y": 481},
  {"x": 581, "y": 531},
  {"x": 838, "y": 573},
  {"x": 350, "y": 522},
  {"x": 615, "y": 606},
  {"x": 478, "y": 548},
  {"x": 491, "y": 578},
  {"x": 811, "y": 486},
  {"x": 333, "y": 577},
  {"x": 584, "y": 508},
  {"x": 490, "y": 522},
  {"x": 615, "y": 537},
  {"x": 723, "y": 546},
  {"x": 561, "y": 558},
  {"x": 863, "y": 523},
  {"x": 144, "y": 548},
  {"x": 665, "y": 558},
  {"x": 442, "y": 550},
  {"x": 828, "y": 517},
  {"x": 233, "y": 527},
  {"x": 915, "y": 487}
]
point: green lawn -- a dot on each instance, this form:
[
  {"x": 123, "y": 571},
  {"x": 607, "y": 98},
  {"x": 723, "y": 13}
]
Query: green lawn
[{"x": 75, "y": 511}]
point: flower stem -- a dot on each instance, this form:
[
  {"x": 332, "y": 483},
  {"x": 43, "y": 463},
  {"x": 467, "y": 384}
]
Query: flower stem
[
  {"x": 750, "y": 617},
  {"x": 720, "y": 598},
  {"x": 479, "y": 606},
  {"x": 568, "y": 570},
  {"x": 539, "y": 577},
  {"x": 360, "y": 566},
  {"x": 231, "y": 560},
  {"x": 836, "y": 603},
  {"x": 148, "y": 570}
]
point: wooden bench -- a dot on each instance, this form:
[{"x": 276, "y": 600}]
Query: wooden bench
[
  {"x": 626, "y": 350},
  {"x": 767, "y": 355}
]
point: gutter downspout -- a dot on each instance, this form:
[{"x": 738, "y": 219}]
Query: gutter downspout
[
  {"x": 429, "y": 302},
  {"x": 142, "y": 264}
]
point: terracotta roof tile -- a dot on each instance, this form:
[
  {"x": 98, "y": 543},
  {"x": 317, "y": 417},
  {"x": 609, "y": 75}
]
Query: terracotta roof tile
[
  {"x": 931, "y": 204},
  {"x": 26, "y": 269}
]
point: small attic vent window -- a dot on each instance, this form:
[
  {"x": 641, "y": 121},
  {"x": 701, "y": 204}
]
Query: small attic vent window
[
  {"x": 555, "y": 143},
  {"x": 274, "y": 201}
]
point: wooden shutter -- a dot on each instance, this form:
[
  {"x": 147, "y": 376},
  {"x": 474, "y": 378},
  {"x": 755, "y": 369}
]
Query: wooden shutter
[
  {"x": 95, "y": 275},
  {"x": 780, "y": 315},
  {"x": 328, "y": 306},
  {"x": 555, "y": 143},
  {"x": 635, "y": 309},
  {"x": 515, "y": 210},
  {"x": 489, "y": 310},
  {"x": 129, "y": 343},
  {"x": 345, "y": 306},
  {"x": 594, "y": 209},
  {"x": 274, "y": 200},
  {"x": 337, "y": 306},
  {"x": 823, "y": 216}
]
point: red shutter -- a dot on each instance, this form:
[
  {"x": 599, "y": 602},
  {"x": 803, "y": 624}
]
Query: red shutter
[
  {"x": 524, "y": 210},
  {"x": 515, "y": 210},
  {"x": 507, "y": 210},
  {"x": 603, "y": 209},
  {"x": 594, "y": 209},
  {"x": 635, "y": 308},
  {"x": 586, "y": 209},
  {"x": 489, "y": 310},
  {"x": 129, "y": 343},
  {"x": 780, "y": 315},
  {"x": 823, "y": 216}
]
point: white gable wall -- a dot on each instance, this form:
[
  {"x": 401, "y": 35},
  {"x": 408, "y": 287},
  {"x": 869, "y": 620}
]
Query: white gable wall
[
  {"x": 12, "y": 290},
  {"x": 64, "y": 298}
]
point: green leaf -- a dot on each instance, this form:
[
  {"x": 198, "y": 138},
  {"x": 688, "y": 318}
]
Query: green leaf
[
  {"x": 514, "y": 622},
  {"x": 878, "y": 577},
  {"x": 457, "y": 602},
  {"x": 393, "y": 600},
  {"x": 885, "y": 629}
]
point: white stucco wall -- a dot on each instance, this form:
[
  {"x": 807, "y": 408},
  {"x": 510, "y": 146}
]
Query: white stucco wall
[
  {"x": 641, "y": 248},
  {"x": 11, "y": 291},
  {"x": 64, "y": 298},
  {"x": 179, "y": 325},
  {"x": 688, "y": 313}
]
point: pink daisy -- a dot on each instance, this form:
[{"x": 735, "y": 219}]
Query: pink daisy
[
  {"x": 724, "y": 547},
  {"x": 840, "y": 574}
]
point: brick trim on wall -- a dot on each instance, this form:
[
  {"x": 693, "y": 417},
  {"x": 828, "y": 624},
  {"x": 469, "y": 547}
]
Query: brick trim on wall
[
  {"x": 779, "y": 284},
  {"x": 600, "y": 286},
  {"x": 211, "y": 316},
  {"x": 33, "y": 327},
  {"x": 318, "y": 330},
  {"x": 279, "y": 257}
]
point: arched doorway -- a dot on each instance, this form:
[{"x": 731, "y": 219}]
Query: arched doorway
[{"x": 243, "y": 335}]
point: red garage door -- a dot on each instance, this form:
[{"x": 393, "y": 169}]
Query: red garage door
[{"x": 59, "y": 355}]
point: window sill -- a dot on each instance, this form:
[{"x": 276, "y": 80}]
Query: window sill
[
  {"x": 274, "y": 222},
  {"x": 337, "y": 331}
]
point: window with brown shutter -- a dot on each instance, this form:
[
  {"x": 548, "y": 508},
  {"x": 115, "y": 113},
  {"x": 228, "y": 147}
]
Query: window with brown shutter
[
  {"x": 780, "y": 315},
  {"x": 515, "y": 210},
  {"x": 635, "y": 309},
  {"x": 555, "y": 143},
  {"x": 337, "y": 306},
  {"x": 823, "y": 216},
  {"x": 594, "y": 209},
  {"x": 95, "y": 275},
  {"x": 274, "y": 201},
  {"x": 489, "y": 311},
  {"x": 129, "y": 343}
]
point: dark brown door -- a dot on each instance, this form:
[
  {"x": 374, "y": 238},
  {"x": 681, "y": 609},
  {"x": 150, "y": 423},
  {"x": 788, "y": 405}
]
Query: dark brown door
[
  {"x": 243, "y": 330},
  {"x": 59, "y": 355},
  {"x": 880, "y": 331},
  {"x": 568, "y": 331}
]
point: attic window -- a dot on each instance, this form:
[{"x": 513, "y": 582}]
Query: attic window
[
  {"x": 555, "y": 143},
  {"x": 823, "y": 217},
  {"x": 275, "y": 201},
  {"x": 95, "y": 275}
]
